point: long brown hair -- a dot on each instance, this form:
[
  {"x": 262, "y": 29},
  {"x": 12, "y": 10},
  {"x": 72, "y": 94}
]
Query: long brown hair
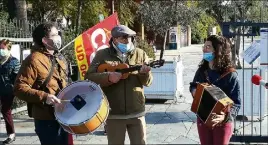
[{"x": 222, "y": 61}]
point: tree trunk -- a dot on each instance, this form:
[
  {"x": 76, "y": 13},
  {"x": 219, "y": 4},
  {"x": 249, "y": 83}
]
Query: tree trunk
[
  {"x": 78, "y": 18},
  {"x": 165, "y": 40},
  {"x": 237, "y": 48},
  {"x": 21, "y": 14},
  {"x": 10, "y": 8},
  {"x": 112, "y": 6}
]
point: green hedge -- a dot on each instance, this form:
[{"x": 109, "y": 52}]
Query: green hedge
[
  {"x": 199, "y": 29},
  {"x": 143, "y": 44}
]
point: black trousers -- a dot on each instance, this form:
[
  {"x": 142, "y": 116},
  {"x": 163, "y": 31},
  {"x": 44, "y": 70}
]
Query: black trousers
[{"x": 50, "y": 132}]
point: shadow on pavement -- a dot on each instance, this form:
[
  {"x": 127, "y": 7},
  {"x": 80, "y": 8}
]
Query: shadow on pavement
[{"x": 169, "y": 117}]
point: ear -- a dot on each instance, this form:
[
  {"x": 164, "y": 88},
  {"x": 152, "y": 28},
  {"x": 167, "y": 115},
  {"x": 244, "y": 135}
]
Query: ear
[
  {"x": 115, "y": 41},
  {"x": 133, "y": 39}
]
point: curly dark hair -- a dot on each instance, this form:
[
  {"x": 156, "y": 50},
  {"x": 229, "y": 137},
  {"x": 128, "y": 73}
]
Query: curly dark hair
[
  {"x": 41, "y": 31},
  {"x": 222, "y": 61}
]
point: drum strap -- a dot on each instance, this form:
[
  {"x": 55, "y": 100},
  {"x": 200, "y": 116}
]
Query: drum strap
[
  {"x": 43, "y": 86},
  {"x": 222, "y": 76}
]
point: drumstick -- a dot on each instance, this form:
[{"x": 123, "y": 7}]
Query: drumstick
[{"x": 65, "y": 100}]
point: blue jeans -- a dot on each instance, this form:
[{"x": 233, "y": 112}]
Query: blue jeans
[{"x": 49, "y": 134}]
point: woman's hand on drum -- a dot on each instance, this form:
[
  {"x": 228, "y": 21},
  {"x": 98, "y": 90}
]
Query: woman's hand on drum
[
  {"x": 51, "y": 99},
  {"x": 114, "y": 77},
  {"x": 217, "y": 118}
]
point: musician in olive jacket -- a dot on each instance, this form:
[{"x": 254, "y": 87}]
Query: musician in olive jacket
[
  {"x": 125, "y": 96},
  {"x": 216, "y": 68},
  {"x": 9, "y": 67}
]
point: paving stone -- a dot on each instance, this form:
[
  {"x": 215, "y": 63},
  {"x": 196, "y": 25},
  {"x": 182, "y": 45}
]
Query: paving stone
[
  {"x": 188, "y": 125},
  {"x": 167, "y": 130},
  {"x": 183, "y": 140},
  {"x": 179, "y": 107},
  {"x": 193, "y": 133},
  {"x": 191, "y": 115},
  {"x": 170, "y": 138},
  {"x": 159, "y": 107},
  {"x": 155, "y": 138}
]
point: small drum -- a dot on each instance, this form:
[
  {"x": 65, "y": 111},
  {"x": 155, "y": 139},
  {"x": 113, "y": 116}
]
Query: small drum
[
  {"x": 209, "y": 99},
  {"x": 84, "y": 108}
]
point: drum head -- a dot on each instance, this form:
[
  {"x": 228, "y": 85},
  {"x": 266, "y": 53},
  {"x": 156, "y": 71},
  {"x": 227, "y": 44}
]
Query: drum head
[{"x": 84, "y": 101}]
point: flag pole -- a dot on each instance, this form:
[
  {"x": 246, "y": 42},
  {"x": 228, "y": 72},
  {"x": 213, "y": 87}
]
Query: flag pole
[{"x": 67, "y": 45}]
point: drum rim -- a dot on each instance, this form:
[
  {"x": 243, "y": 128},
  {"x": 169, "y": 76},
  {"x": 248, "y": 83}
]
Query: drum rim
[
  {"x": 57, "y": 118},
  {"x": 90, "y": 132},
  {"x": 108, "y": 108}
]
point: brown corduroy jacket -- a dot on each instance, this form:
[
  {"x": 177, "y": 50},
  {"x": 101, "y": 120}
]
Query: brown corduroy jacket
[{"x": 33, "y": 72}]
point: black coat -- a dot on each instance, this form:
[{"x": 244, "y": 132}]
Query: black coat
[{"x": 8, "y": 73}]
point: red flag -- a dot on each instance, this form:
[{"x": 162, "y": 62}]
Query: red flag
[{"x": 95, "y": 38}]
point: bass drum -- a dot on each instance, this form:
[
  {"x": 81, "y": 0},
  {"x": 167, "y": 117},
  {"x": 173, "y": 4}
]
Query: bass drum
[{"x": 84, "y": 108}]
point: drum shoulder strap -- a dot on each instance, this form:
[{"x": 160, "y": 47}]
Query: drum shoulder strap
[
  {"x": 222, "y": 76},
  {"x": 43, "y": 86}
]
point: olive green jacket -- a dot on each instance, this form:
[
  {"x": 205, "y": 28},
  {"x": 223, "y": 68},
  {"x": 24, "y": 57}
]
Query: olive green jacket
[{"x": 126, "y": 96}]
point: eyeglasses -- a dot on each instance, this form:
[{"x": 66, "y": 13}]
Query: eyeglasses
[
  {"x": 206, "y": 46},
  {"x": 126, "y": 38}
]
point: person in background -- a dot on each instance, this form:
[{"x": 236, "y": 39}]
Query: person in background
[
  {"x": 216, "y": 68},
  {"x": 9, "y": 67},
  {"x": 126, "y": 96}
]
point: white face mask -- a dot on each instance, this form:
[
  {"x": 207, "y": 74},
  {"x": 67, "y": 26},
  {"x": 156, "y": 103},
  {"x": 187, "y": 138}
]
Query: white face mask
[
  {"x": 53, "y": 43},
  {"x": 4, "y": 52}
]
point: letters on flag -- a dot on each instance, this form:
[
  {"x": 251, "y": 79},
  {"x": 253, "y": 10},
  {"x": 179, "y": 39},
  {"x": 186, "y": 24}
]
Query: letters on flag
[{"x": 95, "y": 38}]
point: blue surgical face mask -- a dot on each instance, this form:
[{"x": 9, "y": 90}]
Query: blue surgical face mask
[
  {"x": 208, "y": 56},
  {"x": 124, "y": 48}
]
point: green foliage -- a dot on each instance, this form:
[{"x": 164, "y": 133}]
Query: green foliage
[
  {"x": 234, "y": 10},
  {"x": 90, "y": 12},
  {"x": 258, "y": 12},
  {"x": 3, "y": 16},
  {"x": 200, "y": 28},
  {"x": 44, "y": 10},
  {"x": 50, "y": 10},
  {"x": 159, "y": 16},
  {"x": 144, "y": 45},
  {"x": 68, "y": 52},
  {"x": 126, "y": 11},
  {"x": 11, "y": 28}
]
